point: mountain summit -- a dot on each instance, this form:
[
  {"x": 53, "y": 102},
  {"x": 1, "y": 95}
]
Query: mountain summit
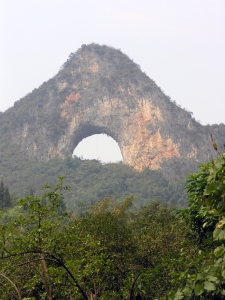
[{"x": 100, "y": 90}]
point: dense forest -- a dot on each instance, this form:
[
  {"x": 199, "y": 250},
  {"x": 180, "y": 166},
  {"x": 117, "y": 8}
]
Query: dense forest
[
  {"x": 89, "y": 180},
  {"x": 114, "y": 249}
]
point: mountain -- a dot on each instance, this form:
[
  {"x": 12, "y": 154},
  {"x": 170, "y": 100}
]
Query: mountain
[{"x": 100, "y": 90}]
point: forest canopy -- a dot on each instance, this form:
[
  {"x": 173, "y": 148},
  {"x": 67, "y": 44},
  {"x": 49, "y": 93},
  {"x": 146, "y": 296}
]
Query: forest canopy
[{"x": 114, "y": 250}]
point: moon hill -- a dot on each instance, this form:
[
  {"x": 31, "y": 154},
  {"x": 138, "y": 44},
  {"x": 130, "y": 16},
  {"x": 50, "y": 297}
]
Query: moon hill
[{"x": 101, "y": 90}]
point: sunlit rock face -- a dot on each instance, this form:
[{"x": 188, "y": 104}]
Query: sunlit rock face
[{"x": 100, "y": 90}]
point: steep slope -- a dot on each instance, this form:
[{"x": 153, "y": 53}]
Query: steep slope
[{"x": 100, "y": 90}]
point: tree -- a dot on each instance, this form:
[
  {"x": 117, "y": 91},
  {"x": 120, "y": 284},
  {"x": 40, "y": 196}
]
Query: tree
[
  {"x": 159, "y": 235},
  {"x": 5, "y": 199},
  {"x": 111, "y": 251},
  {"x": 206, "y": 217},
  {"x": 30, "y": 253},
  {"x": 1, "y": 194}
]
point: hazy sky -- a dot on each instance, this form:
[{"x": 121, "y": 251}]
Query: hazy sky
[{"x": 180, "y": 44}]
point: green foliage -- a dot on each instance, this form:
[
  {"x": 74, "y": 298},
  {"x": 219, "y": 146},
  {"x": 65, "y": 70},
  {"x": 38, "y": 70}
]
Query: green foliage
[
  {"x": 206, "y": 216},
  {"x": 89, "y": 180},
  {"x": 5, "y": 199},
  {"x": 109, "y": 252}
]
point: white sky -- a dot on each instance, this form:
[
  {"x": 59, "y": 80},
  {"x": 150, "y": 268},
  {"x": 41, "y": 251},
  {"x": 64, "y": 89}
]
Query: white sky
[
  {"x": 180, "y": 44},
  {"x": 100, "y": 147}
]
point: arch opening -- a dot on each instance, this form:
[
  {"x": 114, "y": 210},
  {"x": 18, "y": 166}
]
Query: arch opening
[{"x": 100, "y": 147}]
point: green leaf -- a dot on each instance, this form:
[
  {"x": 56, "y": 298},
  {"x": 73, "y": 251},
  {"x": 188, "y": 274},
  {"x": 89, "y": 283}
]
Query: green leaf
[
  {"x": 171, "y": 295},
  {"x": 199, "y": 289},
  {"x": 179, "y": 295},
  {"x": 219, "y": 234},
  {"x": 187, "y": 291},
  {"x": 211, "y": 278},
  {"x": 209, "y": 189},
  {"x": 200, "y": 276},
  {"x": 219, "y": 251},
  {"x": 209, "y": 286}
]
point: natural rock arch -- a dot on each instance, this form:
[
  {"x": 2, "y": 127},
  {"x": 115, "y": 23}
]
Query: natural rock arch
[
  {"x": 100, "y": 90},
  {"x": 139, "y": 146},
  {"x": 86, "y": 130}
]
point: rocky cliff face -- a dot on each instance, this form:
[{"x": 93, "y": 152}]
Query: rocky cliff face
[{"x": 100, "y": 90}]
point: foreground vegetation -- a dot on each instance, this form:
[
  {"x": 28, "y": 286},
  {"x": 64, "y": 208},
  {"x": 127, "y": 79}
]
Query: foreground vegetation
[
  {"x": 108, "y": 252},
  {"x": 114, "y": 251}
]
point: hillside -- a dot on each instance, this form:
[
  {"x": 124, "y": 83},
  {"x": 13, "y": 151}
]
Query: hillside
[
  {"x": 90, "y": 181},
  {"x": 100, "y": 90}
]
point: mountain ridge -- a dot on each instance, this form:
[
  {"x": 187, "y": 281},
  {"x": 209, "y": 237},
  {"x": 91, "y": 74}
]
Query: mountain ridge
[{"x": 100, "y": 90}]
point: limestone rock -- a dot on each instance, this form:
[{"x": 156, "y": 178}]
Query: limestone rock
[{"x": 100, "y": 90}]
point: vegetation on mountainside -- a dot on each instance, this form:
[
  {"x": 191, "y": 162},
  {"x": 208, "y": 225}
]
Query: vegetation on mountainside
[
  {"x": 90, "y": 180},
  {"x": 35, "y": 121},
  {"x": 114, "y": 252},
  {"x": 5, "y": 199}
]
